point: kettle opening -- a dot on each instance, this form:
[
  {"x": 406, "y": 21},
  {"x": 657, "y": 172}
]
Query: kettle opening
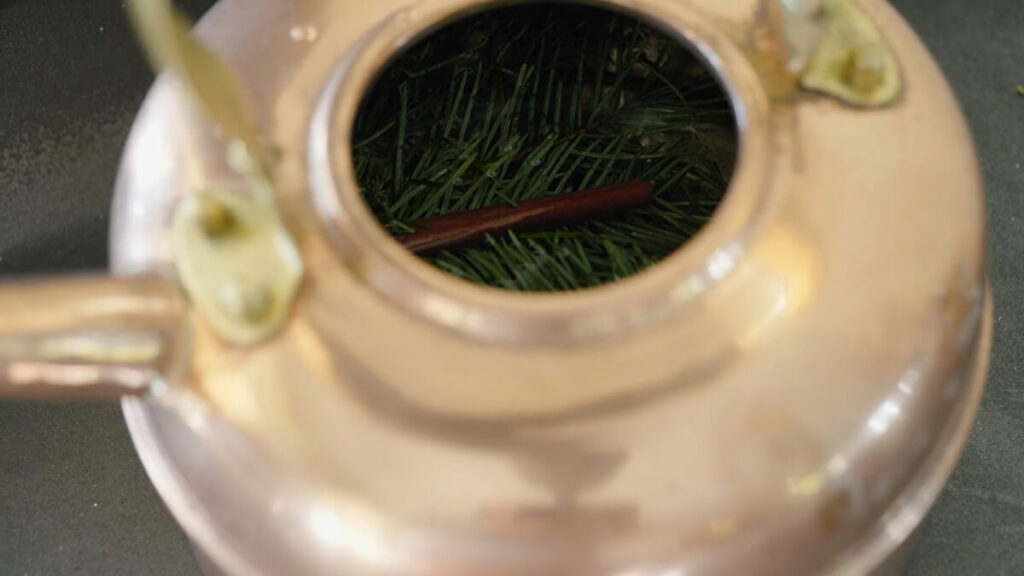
[{"x": 544, "y": 147}]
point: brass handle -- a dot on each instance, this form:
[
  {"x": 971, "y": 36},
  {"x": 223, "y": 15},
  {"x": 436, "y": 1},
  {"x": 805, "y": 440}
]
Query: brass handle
[{"x": 90, "y": 337}]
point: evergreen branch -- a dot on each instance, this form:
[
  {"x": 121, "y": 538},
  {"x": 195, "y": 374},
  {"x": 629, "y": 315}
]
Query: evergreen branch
[{"x": 526, "y": 102}]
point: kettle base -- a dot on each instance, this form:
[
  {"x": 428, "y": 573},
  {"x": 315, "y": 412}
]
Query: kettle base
[{"x": 895, "y": 565}]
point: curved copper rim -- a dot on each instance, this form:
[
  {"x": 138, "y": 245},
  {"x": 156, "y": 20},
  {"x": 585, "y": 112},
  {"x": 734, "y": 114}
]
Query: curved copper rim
[
  {"x": 201, "y": 529},
  {"x": 423, "y": 290},
  {"x": 909, "y": 509}
]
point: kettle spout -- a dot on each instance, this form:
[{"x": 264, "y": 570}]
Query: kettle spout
[{"x": 92, "y": 337}]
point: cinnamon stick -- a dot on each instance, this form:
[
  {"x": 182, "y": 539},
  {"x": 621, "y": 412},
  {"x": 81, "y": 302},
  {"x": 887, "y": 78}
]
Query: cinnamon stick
[{"x": 462, "y": 228}]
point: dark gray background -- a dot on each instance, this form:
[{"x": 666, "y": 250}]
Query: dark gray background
[{"x": 73, "y": 497}]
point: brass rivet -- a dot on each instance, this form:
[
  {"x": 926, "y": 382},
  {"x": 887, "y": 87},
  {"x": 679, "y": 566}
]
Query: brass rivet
[
  {"x": 247, "y": 302},
  {"x": 864, "y": 70},
  {"x": 215, "y": 219}
]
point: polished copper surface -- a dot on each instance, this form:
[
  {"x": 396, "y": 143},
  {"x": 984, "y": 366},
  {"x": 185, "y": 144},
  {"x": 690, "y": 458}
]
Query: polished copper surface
[{"x": 786, "y": 394}]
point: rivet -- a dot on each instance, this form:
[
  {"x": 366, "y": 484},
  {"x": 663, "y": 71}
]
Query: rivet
[
  {"x": 864, "y": 70},
  {"x": 215, "y": 219},
  {"x": 248, "y": 302}
]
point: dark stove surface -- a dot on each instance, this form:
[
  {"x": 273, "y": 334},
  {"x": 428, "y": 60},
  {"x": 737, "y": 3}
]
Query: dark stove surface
[{"x": 73, "y": 496}]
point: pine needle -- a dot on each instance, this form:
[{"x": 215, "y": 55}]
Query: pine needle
[{"x": 529, "y": 101}]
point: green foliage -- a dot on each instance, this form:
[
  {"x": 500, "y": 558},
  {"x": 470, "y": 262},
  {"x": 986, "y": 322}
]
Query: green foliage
[{"x": 518, "y": 103}]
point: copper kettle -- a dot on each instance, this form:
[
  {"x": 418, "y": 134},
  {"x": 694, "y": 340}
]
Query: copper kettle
[{"x": 786, "y": 394}]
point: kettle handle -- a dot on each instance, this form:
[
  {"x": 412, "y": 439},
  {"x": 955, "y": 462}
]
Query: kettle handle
[{"x": 90, "y": 337}]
